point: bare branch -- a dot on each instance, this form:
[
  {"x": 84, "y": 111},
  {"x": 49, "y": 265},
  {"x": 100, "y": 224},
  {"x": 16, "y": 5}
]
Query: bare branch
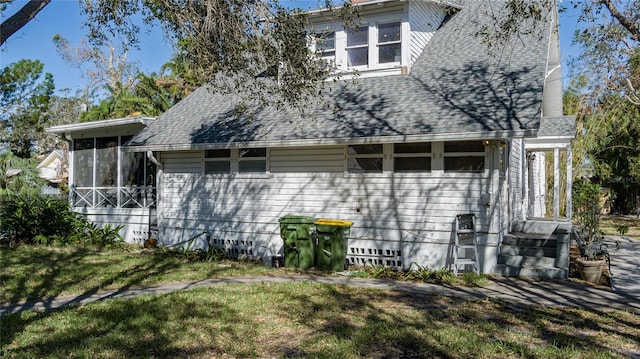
[{"x": 627, "y": 23}]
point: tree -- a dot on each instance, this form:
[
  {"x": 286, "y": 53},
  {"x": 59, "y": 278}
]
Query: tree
[
  {"x": 231, "y": 43},
  {"x": 24, "y": 103},
  {"x": 63, "y": 109},
  {"x": 15, "y": 22},
  {"x": 102, "y": 65},
  {"x": 18, "y": 175},
  {"x": 608, "y": 37}
]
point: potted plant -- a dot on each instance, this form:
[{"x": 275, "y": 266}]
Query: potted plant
[{"x": 587, "y": 209}]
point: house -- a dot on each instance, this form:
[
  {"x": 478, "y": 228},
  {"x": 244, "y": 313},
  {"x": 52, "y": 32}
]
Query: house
[
  {"x": 53, "y": 169},
  {"x": 434, "y": 125}
]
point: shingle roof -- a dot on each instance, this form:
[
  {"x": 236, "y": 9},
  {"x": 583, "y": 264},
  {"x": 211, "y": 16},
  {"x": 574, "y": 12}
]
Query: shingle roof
[
  {"x": 456, "y": 90},
  {"x": 556, "y": 127}
]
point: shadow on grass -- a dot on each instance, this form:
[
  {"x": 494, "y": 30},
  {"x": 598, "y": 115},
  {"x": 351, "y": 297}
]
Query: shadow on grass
[{"x": 311, "y": 320}]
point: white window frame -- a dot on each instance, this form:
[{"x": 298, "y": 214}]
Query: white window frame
[
  {"x": 413, "y": 155},
  {"x": 355, "y": 156},
  {"x": 379, "y": 44},
  {"x": 235, "y": 160},
  {"x": 208, "y": 159},
  {"x": 482, "y": 155},
  {"x": 254, "y": 158},
  {"x": 330, "y": 59},
  {"x": 366, "y": 46}
]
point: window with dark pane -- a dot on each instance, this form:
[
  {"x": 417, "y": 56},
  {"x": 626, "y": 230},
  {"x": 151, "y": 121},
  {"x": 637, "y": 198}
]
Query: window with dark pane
[
  {"x": 412, "y": 157},
  {"x": 464, "y": 156},
  {"x": 358, "y": 46},
  {"x": 252, "y": 160},
  {"x": 217, "y": 161},
  {"x": 364, "y": 158},
  {"x": 389, "y": 43}
]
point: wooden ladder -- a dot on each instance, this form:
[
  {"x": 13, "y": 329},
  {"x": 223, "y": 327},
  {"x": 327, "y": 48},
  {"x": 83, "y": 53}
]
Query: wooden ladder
[{"x": 465, "y": 252}]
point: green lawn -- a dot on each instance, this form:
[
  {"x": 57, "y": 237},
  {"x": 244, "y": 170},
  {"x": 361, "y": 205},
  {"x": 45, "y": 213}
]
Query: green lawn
[
  {"x": 308, "y": 320},
  {"x": 275, "y": 320},
  {"x": 33, "y": 272},
  {"x": 611, "y": 225}
]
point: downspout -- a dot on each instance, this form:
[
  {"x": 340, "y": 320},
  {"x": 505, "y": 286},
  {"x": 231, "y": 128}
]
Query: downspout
[
  {"x": 159, "y": 173},
  {"x": 70, "y": 169}
]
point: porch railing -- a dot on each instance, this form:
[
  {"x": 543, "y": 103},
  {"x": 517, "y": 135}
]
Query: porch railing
[{"x": 114, "y": 197}]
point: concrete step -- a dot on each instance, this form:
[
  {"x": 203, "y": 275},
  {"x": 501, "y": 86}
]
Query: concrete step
[
  {"x": 532, "y": 226},
  {"x": 528, "y": 251},
  {"x": 526, "y": 261},
  {"x": 543, "y": 273},
  {"x": 529, "y": 240}
]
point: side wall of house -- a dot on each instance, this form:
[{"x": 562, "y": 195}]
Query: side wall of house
[
  {"x": 517, "y": 181},
  {"x": 136, "y": 221},
  {"x": 399, "y": 218}
]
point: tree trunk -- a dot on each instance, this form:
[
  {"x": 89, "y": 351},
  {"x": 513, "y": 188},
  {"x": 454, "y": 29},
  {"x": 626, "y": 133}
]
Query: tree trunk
[{"x": 21, "y": 18}]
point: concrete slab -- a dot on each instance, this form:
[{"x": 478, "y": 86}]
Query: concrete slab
[{"x": 625, "y": 265}]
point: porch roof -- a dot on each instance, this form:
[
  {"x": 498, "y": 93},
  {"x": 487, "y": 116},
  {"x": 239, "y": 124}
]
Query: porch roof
[{"x": 70, "y": 129}]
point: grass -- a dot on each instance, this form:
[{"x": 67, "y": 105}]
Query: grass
[
  {"x": 310, "y": 320},
  {"x": 611, "y": 225},
  {"x": 34, "y": 272}
]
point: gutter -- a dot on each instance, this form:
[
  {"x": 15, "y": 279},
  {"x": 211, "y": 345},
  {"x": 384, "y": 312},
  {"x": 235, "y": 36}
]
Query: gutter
[{"x": 470, "y": 136}]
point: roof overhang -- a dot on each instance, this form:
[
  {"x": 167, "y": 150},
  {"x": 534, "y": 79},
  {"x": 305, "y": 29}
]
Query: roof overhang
[
  {"x": 463, "y": 136},
  {"x": 99, "y": 125},
  {"x": 555, "y": 132},
  {"x": 362, "y": 3}
]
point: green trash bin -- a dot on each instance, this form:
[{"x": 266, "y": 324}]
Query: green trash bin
[
  {"x": 298, "y": 235},
  {"x": 331, "y": 250}
]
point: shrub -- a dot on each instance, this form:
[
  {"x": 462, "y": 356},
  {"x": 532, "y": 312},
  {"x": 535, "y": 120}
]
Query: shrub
[
  {"x": 38, "y": 219},
  {"x": 29, "y": 218}
]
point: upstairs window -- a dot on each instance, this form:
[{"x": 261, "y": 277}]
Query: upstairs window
[
  {"x": 389, "y": 43},
  {"x": 464, "y": 156},
  {"x": 217, "y": 161},
  {"x": 326, "y": 44},
  {"x": 358, "y": 46},
  {"x": 364, "y": 158},
  {"x": 252, "y": 160},
  {"x": 412, "y": 157}
]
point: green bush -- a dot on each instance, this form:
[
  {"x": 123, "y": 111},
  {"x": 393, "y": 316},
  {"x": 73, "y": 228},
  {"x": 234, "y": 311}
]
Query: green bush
[
  {"x": 38, "y": 219},
  {"x": 29, "y": 218}
]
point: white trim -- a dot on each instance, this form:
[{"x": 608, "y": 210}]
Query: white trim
[
  {"x": 93, "y": 125},
  {"x": 457, "y": 136}
]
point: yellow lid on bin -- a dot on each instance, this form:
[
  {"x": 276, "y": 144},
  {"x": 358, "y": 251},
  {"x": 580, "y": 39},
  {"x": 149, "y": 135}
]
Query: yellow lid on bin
[{"x": 333, "y": 222}]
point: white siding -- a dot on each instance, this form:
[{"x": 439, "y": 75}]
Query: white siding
[
  {"x": 411, "y": 214},
  {"x": 517, "y": 175},
  {"x": 424, "y": 19},
  {"x": 182, "y": 161},
  {"x": 136, "y": 221}
]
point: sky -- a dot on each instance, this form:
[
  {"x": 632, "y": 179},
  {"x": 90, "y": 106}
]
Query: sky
[{"x": 34, "y": 41}]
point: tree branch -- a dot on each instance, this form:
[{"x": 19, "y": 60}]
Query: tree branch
[
  {"x": 11, "y": 25},
  {"x": 623, "y": 20}
]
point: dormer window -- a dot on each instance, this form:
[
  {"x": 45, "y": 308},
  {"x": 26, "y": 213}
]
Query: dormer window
[
  {"x": 389, "y": 43},
  {"x": 358, "y": 46},
  {"x": 379, "y": 46}
]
